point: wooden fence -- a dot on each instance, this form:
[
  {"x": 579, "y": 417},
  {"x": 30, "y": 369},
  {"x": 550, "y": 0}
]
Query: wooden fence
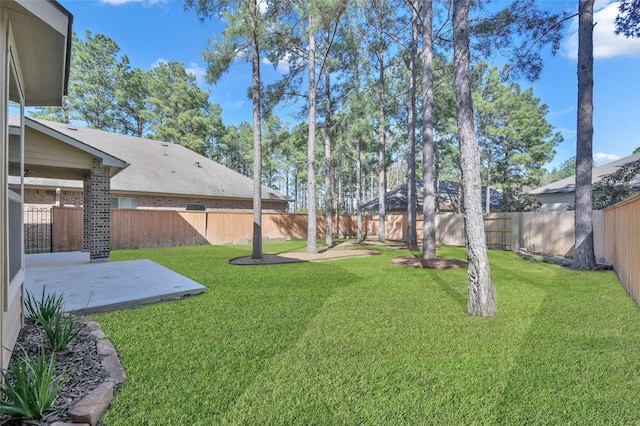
[
  {"x": 622, "y": 243},
  {"x": 540, "y": 232},
  {"x": 131, "y": 229}
]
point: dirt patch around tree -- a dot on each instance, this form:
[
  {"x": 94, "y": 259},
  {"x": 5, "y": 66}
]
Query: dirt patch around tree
[
  {"x": 431, "y": 263},
  {"x": 297, "y": 257}
]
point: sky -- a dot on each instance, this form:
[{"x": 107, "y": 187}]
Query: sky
[{"x": 150, "y": 31}]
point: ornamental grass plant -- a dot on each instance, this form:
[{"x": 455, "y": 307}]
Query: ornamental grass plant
[
  {"x": 42, "y": 310},
  {"x": 30, "y": 385},
  {"x": 362, "y": 341}
]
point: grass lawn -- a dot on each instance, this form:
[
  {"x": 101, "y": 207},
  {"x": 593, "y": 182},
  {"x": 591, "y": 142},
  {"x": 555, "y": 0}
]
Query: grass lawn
[{"x": 361, "y": 341}]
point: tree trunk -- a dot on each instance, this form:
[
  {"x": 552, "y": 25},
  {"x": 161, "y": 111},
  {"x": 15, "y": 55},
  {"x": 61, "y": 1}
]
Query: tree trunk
[
  {"x": 359, "y": 189},
  {"x": 257, "y": 137},
  {"x": 382, "y": 177},
  {"x": 583, "y": 253},
  {"x": 488, "y": 192},
  {"x": 482, "y": 300},
  {"x": 428, "y": 186},
  {"x": 339, "y": 206},
  {"x": 412, "y": 238},
  {"x": 327, "y": 155},
  {"x": 312, "y": 246}
]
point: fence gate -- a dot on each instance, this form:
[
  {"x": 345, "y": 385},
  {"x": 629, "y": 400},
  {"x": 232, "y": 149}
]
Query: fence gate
[
  {"x": 498, "y": 232},
  {"x": 37, "y": 230}
]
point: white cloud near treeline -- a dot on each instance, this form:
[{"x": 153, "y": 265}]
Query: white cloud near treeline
[
  {"x": 606, "y": 44},
  {"x": 194, "y": 69},
  {"x": 199, "y": 72},
  {"x": 602, "y": 158},
  {"x": 283, "y": 65}
]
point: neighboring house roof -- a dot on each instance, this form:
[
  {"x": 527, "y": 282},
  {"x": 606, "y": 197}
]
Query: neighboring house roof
[
  {"x": 396, "y": 199},
  {"x": 158, "y": 167},
  {"x": 569, "y": 184},
  {"x": 116, "y": 164}
]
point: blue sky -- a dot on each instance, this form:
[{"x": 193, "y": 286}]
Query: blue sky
[{"x": 149, "y": 31}]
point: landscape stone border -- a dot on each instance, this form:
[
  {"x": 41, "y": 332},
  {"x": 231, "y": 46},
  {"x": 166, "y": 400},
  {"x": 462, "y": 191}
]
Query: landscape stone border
[{"x": 90, "y": 409}]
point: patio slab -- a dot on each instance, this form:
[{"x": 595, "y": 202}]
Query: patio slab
[{"x": 98, "y": 287}]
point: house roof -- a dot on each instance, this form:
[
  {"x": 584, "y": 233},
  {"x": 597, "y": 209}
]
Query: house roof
[
  {"x": 158, "y": 167},
  {"x": 396, "y": 199},
  {"x": 569, "y": 184},
  {"x": 34, "y": 157},
  {"x": 42, "y": 35}
]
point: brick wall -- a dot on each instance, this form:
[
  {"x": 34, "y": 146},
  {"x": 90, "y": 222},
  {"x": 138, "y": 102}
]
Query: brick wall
[
  {"x": 68, "y": 197},
  {"x": 47, "y": 197},
  {"x": 99, "y": 212}
]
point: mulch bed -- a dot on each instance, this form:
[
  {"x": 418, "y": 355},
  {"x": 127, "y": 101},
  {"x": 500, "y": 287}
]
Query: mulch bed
[{"x": 81, "y": 358}]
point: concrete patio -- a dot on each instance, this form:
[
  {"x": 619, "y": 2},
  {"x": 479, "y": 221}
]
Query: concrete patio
[{"x": 98, "y": 287}]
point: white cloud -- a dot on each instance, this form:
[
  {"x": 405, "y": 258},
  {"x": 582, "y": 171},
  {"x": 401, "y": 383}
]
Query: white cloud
[
  {"x": 560, "y": 113},
  {"x": 263, "y": 5},
  {"x": 569, "y": 135},
  {"x": 600, "y": 158},
  {"x": 158, "y": 62},
  {"x": 606, "y": 44},
  {"x": 199, "y": 72},
  {"x": 283, "y": 65}
]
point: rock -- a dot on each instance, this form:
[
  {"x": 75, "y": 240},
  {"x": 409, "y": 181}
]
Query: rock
[
  {"x": 105, "y": 347},
  {"x": 114, "y": 368},
  {"x": 91, "y": 407}
]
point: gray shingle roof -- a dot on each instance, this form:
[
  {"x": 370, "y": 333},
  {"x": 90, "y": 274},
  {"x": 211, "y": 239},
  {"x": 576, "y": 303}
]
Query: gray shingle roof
[
  {"x": 396, "y": 198},
  {"x": 164, "y": 168},
  {"x": 569, "y": 184}
]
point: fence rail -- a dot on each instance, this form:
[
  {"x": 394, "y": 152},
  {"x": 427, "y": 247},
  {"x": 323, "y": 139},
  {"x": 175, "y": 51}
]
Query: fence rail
[
  {"x": 622, "y": 243},
  {"x": 160, "y": 228}
]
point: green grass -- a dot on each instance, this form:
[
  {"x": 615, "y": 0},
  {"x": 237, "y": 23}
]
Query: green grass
[{"x": 361, "y": 341}]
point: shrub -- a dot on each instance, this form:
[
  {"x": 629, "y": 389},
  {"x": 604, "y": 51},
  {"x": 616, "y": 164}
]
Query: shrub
[
  {"x": 60, "y": 330},
  {"x": 43, "y": 310},
  {"x": 30, "y": 385}
]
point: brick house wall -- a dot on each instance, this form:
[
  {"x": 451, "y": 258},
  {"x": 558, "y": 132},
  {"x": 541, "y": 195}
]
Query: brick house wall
[{"x": 68, "y": 197}]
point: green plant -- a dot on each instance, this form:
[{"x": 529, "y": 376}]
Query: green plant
[
  {"x": 60, "y": 329},
  {"x": 37, "y": 311},
  {"x": 30, "y": 385}
]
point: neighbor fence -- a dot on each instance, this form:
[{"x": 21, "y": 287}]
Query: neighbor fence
[
  {"x": 540, "y": 232},
  {"x": 622, "y": 243}
]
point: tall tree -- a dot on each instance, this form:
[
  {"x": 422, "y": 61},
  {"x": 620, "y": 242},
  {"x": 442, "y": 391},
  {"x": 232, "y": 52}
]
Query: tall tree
[
  {"x": 481, "y": 300},
  {"x": 428, "y": 179},
  {"x": 235, "y": 148},
  {"x": 382, "y": 24},
  {"x": 412, "y": 237},
  {"x": 245, "y": 27},
  {"x": 96, "y": 70},
  {"x": 327, "y": 157},
  {"x": 133, "y": 95},
  {"x": 515, "y": 136},
  {"x": 180, "y": 108},
  {"x": 584, "y": 253},
  {"x": 565, "y": 169},
  {"x": 312, "y": 245}
]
